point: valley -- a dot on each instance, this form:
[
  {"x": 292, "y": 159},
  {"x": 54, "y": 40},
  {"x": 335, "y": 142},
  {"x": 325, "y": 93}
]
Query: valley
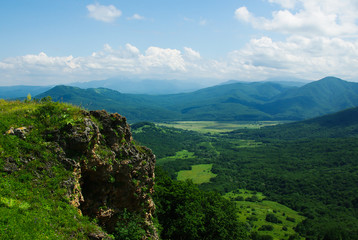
[{"x": 310, "y": 167}]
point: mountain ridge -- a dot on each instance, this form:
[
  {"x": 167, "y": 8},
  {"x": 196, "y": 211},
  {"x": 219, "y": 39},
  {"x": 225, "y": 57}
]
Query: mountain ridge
[{"x": 228, "y": 102}]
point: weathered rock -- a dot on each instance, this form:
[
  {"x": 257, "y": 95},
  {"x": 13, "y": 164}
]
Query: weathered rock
[
  {"x": 20, "y": 132},
  {"x": 110, "y": 172}
]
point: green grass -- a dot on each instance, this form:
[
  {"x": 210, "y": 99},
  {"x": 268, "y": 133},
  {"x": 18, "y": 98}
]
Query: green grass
[
  {"x": 216, "y": 126},
  {"x": 184, "y": 154},
  {"x": 33, "y": 198},
  {"x": 200, "y": 173},
  {"x": 254, "y": 213}
]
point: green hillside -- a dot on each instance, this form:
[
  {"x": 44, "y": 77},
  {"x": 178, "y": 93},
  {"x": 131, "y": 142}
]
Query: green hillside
[
  {"x": 327, "y": 95},
  {"x": 256, "y": 101},
  {"x": 33, "y": 198},
  {"x": 134, "y": 107},
  {"x": 336, "y": 125}
]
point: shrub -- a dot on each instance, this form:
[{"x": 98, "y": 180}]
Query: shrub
[
  {"x": 270, "y": 217},
  {"x": 266, "y": 228}
]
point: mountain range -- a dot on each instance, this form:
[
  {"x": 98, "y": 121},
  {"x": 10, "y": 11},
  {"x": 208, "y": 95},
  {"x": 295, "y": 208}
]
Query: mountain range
[
  {"x": 229, "y": 102},
  {"x": 136, "y": 86}
]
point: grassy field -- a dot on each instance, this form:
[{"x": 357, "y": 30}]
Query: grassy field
[
  {"x": 184, "y": 154},
  {"x": 217, "y": 127},
  {"x": 255, "y": 209},
  {"x": 199, "y": 174}
]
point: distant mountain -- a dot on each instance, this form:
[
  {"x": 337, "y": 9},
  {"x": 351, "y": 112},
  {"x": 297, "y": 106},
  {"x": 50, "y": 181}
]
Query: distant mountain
[
  {"x": 229, "y": 102},
  {"x": 317, "y": 98},
  {"x": 144, "y": 86},
  {"x": 290, "y": 81},
  {"x": 20, "y": 91},
  {"x": 237, "y": 101},
  {"x": 134, "y": 107},
  {"x": 286, "y": 81}
]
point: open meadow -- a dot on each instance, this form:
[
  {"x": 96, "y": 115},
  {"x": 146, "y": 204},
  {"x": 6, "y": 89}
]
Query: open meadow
[{"x": 218, "y": 126}]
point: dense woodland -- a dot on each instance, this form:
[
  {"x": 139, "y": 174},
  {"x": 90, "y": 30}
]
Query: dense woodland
[{"x": 310, "y": 166}]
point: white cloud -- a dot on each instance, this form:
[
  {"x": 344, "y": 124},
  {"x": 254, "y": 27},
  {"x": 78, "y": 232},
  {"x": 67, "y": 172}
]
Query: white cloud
[
  {"x": 136, "y": 17},
  {"x": 103, "y": 13},
  {"x": 299, "y": 56},
  {"x": 191, "y": 54},
  {"x": 108, "y": 62},
  {"x": 308, "y": 18},
  {"x": 161, "y": 58},
  {"x": 132, "y": 49},
  {"x": 243, "y": 14}
]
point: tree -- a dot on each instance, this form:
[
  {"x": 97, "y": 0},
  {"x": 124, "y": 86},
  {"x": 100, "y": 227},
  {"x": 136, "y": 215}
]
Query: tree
[{"x": 186, "y": 212}]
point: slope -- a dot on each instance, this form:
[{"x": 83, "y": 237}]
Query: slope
[
  {"x": 134, "y": 107},
  {"x": 336, "y": 125},
  {"x": 317, "y": 98}
]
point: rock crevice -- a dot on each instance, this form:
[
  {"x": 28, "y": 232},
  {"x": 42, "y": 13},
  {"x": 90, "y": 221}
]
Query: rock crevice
[{"x": 111, "y": 174}]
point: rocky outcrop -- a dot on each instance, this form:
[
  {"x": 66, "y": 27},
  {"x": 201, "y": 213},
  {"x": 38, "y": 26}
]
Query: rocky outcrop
[{"x": 111, "y": 174}]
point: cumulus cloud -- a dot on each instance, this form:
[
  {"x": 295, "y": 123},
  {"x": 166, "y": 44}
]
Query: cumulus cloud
[
  {"x": 158, "y": 58},
  {"x": 299, "y": 56},
  {"x": 320, "y": 40},
  {"x": 191, "y": 54},
  {"x": 103, "y": 13},
  {"x": 243, "y": 14},
  {"x": 101, "y": 64},
  {"x": 307, "y": 17}
]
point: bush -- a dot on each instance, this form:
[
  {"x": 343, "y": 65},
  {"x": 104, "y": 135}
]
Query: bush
[
  {"x": 129, "y": 227},
  {"x": 291, "y": 219},
  {"x": 266, "y": 228},
  {"x": 270, "y": 217}
]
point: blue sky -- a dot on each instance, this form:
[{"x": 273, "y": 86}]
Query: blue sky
[{"x": 58, "y": 42}]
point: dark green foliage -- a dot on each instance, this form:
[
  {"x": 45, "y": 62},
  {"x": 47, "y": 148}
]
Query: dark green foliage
[
  {"x": 185, "y": 212},
  {"x": 129, "y": 227},
  {"x": 290, "y": 219},
  {"x": 256, "y": 236},
  {"x": 270, "y": 217},
  {"x": 266, "y": 228}
]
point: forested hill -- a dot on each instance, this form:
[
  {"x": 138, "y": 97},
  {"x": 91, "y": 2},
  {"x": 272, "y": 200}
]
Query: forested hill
[
  {"x": 229, "y": 102},
  {"x": 336, "y": 125},
  {"x": 327, "y": 95}
]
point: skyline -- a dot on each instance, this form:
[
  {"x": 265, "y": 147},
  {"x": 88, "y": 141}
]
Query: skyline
[{"x": 49, "y": 43}]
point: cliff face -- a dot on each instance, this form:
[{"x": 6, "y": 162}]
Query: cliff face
[
  {"x": 52, "y": 154},
  {"x": 110, "y": 173}
]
